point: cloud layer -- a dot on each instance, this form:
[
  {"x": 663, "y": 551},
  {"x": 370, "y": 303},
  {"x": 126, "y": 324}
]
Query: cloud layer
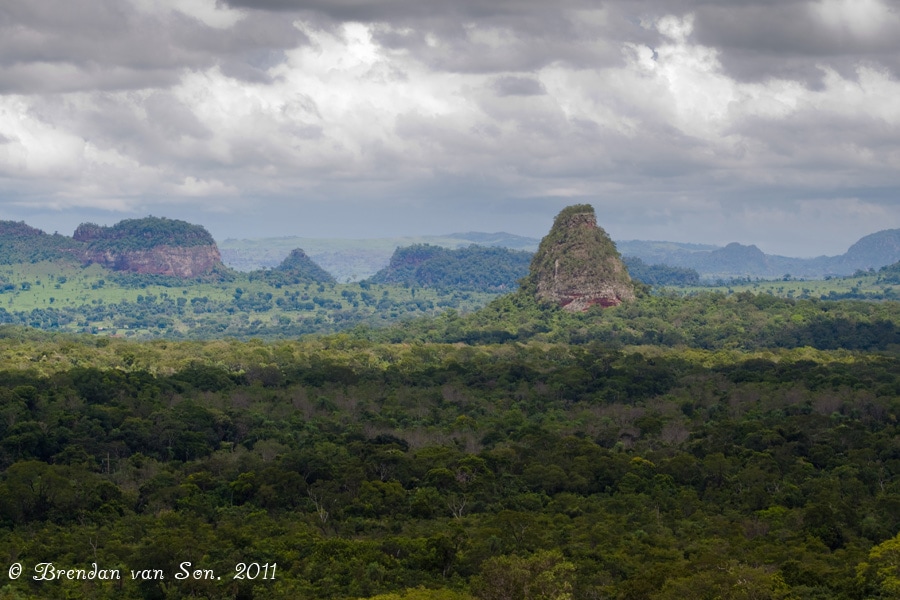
[{"x": 769, "y": 122}]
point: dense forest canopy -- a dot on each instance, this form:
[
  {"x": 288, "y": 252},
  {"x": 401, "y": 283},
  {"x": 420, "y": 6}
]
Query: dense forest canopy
[
  {"x": 572, "y": 454},
  {"x": 680, "y": 445}
]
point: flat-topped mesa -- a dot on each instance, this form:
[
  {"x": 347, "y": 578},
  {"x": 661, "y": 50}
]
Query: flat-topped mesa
[
  {"x": 151, "y": 245},
  {"x": 577, "y": 264}
]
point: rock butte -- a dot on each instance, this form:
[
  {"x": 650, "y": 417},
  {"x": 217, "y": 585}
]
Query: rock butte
[
  {"x": 577, "y": 264},
  {"x": 190, "y": 252}
]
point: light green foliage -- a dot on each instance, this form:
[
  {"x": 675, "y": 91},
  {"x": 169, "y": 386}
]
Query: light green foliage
[
  {"x": 423, "y": 594},
  {"x": 865, "y": 285},
  {"x": 543, "y": 576},
  {"x": 882, "y": 569},
  {"x": 56, "y": 297}
]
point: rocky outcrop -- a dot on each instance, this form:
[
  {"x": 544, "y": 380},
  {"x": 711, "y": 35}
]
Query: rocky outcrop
[
  {"x": 175, "y": 261},
  {"x": 577, "y": 264},
  {"x": 152, "y": 245}
]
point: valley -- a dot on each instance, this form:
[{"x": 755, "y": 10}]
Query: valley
[{"x": 432, "y": 433}]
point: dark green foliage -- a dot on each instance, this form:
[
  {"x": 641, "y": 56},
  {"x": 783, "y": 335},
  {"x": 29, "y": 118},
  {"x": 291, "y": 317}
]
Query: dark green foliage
[
  {"x": 476, "y": 268},
  {"x": 295, "y": 269},
  {"x": 143, "y": 234},
  {"x": 660, "y": 275},
  {"x": 707, "y": 320},
  {"x": 889, "y": 274},
  {"x": 510, "y": 471},
  {"x": 20, "y": 243},
  {"x": 144, "y": 280}
]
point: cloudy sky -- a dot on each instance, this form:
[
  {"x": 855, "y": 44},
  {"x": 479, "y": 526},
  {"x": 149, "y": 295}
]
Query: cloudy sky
[{"x": 775, "y": 122}]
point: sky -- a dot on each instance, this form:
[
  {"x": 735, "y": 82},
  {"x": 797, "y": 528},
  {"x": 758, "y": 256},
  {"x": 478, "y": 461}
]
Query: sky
[{"x": 771, "y": 122}]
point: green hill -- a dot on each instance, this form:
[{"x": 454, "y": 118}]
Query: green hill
[
  {"x": 475, "y": 268},
  {"x": 660, "y": 275},
  {"x": 143, "y": 234},
  {"x": 353, "y": 259},
  {"x": 295, "y": 269},
  {"x": 20, "y": 243}
]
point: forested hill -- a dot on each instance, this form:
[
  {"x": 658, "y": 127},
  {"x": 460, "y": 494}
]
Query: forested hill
[
  {"x": 475, "y": 268},
  {"x": 295, "y": 269},
  {"x": 660, "y": 275},
  {"x": 710, "y": 321},
  {"x": 890, "y": 273},
  {"x": 143, "y": 234},
  {"x": 495, "y": 269},
  {"x": 20, "y": 243}
]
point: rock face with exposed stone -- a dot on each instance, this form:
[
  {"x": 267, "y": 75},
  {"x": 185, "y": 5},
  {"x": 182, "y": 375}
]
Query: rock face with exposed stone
[
  {"x": 151, "y": 245},
  {"x": 577, "y": 264}
]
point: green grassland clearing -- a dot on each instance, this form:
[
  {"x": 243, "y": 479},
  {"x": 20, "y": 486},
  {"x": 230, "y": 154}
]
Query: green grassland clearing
[
  {"x": 869, "y": 286},
  {"x": 63, "y": 297}
]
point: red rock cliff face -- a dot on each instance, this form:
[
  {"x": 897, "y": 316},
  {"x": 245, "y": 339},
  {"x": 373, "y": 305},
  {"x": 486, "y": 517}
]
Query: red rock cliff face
[
  {"x": 191, "y": 261},
  {"x": 152, "y": 245}
]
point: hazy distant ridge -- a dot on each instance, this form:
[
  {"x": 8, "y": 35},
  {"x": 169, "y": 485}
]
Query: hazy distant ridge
[
  {"x": 354, "y": 259},
  {"x": 349, "y": 259}
]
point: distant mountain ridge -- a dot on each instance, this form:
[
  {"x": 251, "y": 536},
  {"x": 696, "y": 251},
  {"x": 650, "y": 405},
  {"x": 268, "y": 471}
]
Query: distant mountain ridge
[
  {"x": 353, "y": 259},
  {"x": 173, "y": 247},
  {"x": 737, "y": 260}
]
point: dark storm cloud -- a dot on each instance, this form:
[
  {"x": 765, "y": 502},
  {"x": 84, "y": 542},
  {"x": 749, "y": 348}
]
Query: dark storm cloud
[
  {"x": 398, "y": 10},
  {"x": 756, "y": 39},
  {"x": 790, "y": 39},
  {"x": 71, "y": 45},
  {"x": 450, "y": 36},
  {"x": 518, "y": 86}
]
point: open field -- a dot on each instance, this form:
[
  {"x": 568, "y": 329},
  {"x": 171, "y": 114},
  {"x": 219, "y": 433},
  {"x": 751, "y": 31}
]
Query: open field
[
  {"x": 870, "y": 286},
  {"x": 69, "y": 298}
]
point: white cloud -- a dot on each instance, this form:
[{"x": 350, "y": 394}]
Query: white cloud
[
  {"x": 203, "y": 187},
  {"x": 857, "y": 18}
]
